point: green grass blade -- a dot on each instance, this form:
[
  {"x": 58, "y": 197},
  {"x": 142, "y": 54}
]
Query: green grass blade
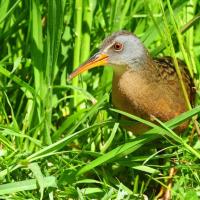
[{"x": 21, "y": 186}]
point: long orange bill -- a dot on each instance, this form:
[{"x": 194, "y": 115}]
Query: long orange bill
[{"x": 97, "y": 60}]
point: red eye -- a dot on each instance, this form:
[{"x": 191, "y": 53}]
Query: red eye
[{"x": 118, "y": 46}]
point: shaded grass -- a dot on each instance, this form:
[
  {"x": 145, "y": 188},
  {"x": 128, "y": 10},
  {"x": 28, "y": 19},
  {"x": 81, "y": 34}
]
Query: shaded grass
[{"x": 63, "y": 139}]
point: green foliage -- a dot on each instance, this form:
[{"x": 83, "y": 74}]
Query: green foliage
[{"x": 62, "y": 139}]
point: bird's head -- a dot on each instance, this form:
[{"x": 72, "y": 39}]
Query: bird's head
[{"x": 120, "y": 49}]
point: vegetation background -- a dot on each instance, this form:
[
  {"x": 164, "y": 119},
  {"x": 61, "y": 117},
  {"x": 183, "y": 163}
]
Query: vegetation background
[{"x": 61, "y": 139}]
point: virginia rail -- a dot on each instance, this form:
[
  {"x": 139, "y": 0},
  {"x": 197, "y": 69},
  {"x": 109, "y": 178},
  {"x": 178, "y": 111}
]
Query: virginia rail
[{"x": 141, "y": 85}]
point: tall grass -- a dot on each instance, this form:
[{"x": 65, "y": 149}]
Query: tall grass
[{"x": 62, "y": 139}]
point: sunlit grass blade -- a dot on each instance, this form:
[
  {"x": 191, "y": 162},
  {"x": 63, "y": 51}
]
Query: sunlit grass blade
[
  {"x": 34, "y": 167},
  {"x": 21, "y": 186},
  {"x": 77, "y": 44},
  {"x": 172, "y": 50}
]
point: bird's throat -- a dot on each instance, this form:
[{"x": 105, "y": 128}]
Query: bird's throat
[{"x": 119, "y": 70}]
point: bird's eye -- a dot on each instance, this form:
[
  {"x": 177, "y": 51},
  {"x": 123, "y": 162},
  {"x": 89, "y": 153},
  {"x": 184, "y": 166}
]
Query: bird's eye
[{"x": 118, "y": 46}]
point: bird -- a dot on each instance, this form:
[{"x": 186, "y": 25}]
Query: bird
[{"x": 142, "y": 85}]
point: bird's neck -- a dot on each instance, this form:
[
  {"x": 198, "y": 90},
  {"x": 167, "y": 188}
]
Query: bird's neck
[
  {"x": 130, "y": 84},
  {"x": 140, "y": 66}
]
